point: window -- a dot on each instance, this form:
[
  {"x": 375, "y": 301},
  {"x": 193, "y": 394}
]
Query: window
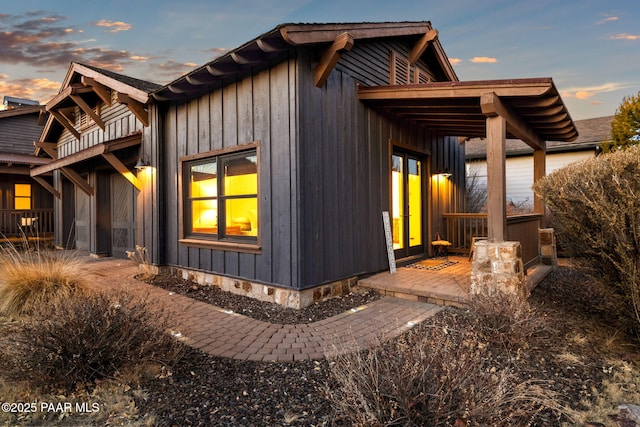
[
  {"x": 221, "y": 197},
  {"x": 22, "y": 196}
]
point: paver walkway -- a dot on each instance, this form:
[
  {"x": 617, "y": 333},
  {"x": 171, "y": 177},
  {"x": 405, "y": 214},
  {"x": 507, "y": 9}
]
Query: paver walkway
[{"x": 220, "y": 332}]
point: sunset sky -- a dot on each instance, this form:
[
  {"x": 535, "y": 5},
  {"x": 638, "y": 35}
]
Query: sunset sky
[{"x": 590, "y": 48}]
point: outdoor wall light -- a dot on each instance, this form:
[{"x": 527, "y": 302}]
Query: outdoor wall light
[{"x": 142, "y": 164}]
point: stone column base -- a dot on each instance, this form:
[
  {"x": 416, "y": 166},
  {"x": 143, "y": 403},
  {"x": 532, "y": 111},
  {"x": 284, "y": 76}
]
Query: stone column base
[
  {"x": 497, "y": 266},
  {"x": 547, "y": 247}
]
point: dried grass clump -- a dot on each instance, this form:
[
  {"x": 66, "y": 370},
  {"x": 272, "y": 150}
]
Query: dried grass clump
[
  {"x": 83, "y": 339},
  {"x": 30, "y": 280},
  {"x": 597, "y": 217},
  {"x": 505, "y": 319},
  {"x": 441, "y": 373}
]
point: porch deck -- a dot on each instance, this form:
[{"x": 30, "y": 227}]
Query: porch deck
[{"x": 441, "y": 285}]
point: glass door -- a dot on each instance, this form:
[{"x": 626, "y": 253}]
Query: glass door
[{"x": 406, "y": 204}]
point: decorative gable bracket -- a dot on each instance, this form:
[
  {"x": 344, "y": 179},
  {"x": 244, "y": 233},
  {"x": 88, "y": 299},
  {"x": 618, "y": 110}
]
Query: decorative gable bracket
[
  {"x": 136, "y": 107},
  {"x": 331, "y": 56}
]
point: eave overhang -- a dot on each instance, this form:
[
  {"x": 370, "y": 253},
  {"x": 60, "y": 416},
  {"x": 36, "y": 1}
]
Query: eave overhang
[
  {"x": 535, "y": 109},
  {"x": 276, "y": 45}
]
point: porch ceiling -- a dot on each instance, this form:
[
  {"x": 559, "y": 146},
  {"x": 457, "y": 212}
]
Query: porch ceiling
[{"x": 459, "y": 108}]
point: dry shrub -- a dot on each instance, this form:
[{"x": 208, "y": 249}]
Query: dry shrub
[
  {"x": 439, "y": 373},
  {"x": 33, "y": 279},
  {"x": 81, "y": 340},
  {"x": 505, "y": 319},
  {"x": 597, "y": 217}
]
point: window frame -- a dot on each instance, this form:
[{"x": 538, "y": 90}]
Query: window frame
[
  {"x": 16, "y": 197},
  {"x": 219, "y": 240}
]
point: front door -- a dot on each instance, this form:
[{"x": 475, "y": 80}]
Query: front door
[{"x": 407, "y": 204}]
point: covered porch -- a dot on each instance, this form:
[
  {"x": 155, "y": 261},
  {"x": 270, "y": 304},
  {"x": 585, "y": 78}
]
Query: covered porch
[{"x": 527, "y": 109}]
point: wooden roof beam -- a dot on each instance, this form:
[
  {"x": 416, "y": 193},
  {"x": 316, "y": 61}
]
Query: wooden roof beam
[
  {"x": 492, "y": 106},
  {"x": 65, "y": 122},
  {"x": 421, "y": 46},
  {"x": 51, "y": 148},
  {"x": 270, "y": 46},
  {"x": 78, "y": 181},
  {"x": 331, "y": 56},
  {"x": 88, "y": 110},
  {"x": 101, "y": 90},
  {"x": 124, "y": 171},
  {"x": 136, "y": 107},
  {"x": 43, "y": 182}
]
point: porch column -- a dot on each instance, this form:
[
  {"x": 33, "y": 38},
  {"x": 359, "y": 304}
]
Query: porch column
[
  {"x": 496, "y": 179},
  {"x": 539, "y": 172}
]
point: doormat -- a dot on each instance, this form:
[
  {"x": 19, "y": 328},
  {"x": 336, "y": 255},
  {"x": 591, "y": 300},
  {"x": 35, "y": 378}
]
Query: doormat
[{"x": 432, "y": 264}]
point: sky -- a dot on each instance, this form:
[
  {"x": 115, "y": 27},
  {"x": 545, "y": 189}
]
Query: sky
[{"x": 590, "y": 48}]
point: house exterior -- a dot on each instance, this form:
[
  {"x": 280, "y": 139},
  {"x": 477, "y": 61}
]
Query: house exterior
[
  {"x": 26, "y": 204},
  {"x": 268, "y": 170},
  {"x": 92, "y": 139},
  {"x": 519, "y": 162}
]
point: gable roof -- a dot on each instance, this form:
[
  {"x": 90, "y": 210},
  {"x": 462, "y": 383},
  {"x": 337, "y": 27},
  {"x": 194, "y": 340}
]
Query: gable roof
[
  {"x": 591, "y": 132},
  {"x": 19, "y": 127},
  {"x": 84, "y": 85},
  {"x": 274, "y": 46}
]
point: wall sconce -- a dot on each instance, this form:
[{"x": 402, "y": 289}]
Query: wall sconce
[
  {"x": 142, "y": 164},
  {"x": 445, "y": 173}
]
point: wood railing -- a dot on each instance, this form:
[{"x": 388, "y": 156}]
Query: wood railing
[
  {"x": 461, "y": 228},
  {"x": 33, "y": 222}
]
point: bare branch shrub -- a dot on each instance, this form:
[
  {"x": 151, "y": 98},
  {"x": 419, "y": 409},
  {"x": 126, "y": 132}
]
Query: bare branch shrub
[
  {"x": 444, "y": 372},
  {"x": 596, "y": 209},
  {"x": 87, "y": 338}
]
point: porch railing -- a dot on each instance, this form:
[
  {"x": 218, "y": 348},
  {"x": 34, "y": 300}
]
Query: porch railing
[
  {"x": 461, "y": 228},
  {"x": 30, "y": 222}
]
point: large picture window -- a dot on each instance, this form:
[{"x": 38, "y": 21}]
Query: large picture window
[{"x": 221, "y": 197}]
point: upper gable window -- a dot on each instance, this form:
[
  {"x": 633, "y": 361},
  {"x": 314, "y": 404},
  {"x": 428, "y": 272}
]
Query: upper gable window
[
  {"x": 402, "y": 73},
  {"x": 86, "y": 120}
]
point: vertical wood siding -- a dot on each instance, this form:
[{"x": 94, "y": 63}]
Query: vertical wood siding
[
  {"x": 344, "y": 168},
  {"x": 324, "y": 168},
  {"x": 257, "y": 108}
]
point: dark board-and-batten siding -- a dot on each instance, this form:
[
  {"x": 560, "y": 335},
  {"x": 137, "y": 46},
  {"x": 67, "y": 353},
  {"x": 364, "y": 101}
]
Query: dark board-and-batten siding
[{"x": 257, "y": 108}]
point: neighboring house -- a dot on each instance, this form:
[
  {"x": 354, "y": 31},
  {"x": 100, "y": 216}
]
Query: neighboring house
[
  {"x": 268, "y": 169},
  {"x": 26, "y": 204},
  {"x": 519, "y": 164},
  {"x": 93, "y": 134}
]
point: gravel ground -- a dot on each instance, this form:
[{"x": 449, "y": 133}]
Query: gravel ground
[{"x": 207, "y": 391}]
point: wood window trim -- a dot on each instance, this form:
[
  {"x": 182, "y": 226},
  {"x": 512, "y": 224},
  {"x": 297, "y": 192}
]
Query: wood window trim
[
  {"x": 225, "y": 244},
  {"x": 249, "y": 248}
]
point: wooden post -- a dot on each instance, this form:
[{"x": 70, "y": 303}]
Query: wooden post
[
  {"x": 539, "y": 172},
  {"x": 496, "y": 179}
]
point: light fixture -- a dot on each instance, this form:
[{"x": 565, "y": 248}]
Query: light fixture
[{"x": 142, "y": 164}]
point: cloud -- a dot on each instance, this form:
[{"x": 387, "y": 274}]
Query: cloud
[
  {"x": 607, "y": 19},
  {"x": 455, "y": 61},
  {"x": 171, "y": 70},
  {"x": 591, "y": 91},
  {"x": 38, "y": 89},
  {"x": 483, "y": 60},
  {"x": 39, "y": 39},
  {"x": 114, "y": 26},
  {"x": 624, "y": 36}
]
